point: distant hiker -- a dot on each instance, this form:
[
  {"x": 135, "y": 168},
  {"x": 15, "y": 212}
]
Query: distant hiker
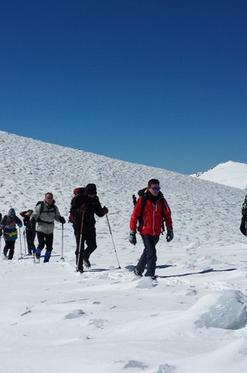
[
  {"x": 8, "y": 227},
  {"x": 83, "y": 207},
  {"x": 243, "y": 226},
  {"x": 150, "y": 211},
  {"x": 45, "y": 213},
  {"x": 29, "y": 223}
]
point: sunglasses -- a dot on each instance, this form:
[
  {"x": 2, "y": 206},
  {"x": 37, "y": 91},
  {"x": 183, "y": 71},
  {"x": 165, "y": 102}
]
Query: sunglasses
[{"x": 156, "y": 188}]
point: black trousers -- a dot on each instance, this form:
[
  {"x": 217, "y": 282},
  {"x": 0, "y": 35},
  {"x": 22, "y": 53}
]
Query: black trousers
[
  {"x": 30, "y": 237},
  {"x": 9, "y": 246},
  {"x": 148, "y": 257},
  {"x": 45, "y": 240},
  {"x": 89, "y": 237}
]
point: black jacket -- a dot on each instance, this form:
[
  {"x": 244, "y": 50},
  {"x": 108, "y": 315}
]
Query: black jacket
[{"x": 82, "y": 205}]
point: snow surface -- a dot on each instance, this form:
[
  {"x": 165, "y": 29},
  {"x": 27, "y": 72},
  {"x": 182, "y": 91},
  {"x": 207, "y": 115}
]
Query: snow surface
[
  {"x": 107, "y": 320},
  {"x": 229, "y": 173}
]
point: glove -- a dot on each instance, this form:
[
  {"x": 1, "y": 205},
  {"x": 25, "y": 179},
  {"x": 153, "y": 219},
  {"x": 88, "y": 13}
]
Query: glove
[
  {"x": 105, "y": 210},
  {"x": 62, "y": 220},
  {"x": 169, "y": 235},
  {"x": 1, "y": 232},
  {"x": 132, "y": 238}
]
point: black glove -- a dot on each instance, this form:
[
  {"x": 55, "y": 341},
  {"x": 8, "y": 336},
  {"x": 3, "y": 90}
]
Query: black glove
[
  {"x": 132, "y": 238},
  {"x": 1, "y": 233},
  {"x": 105, "y": 210},
  {"x": 62, "y": 220},
  {"x": 169, "y": 235}
]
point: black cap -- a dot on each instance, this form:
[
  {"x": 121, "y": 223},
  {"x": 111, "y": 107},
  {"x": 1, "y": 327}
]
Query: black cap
[{"x": 91, "y": 189}]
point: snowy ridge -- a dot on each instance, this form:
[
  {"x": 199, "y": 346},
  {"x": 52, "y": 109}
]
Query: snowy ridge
[
  {"x": 230, "y": 173},
  {"x": 106, "y": 320}
]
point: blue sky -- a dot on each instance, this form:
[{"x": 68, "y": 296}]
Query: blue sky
[{"x": 158, "y": 82}]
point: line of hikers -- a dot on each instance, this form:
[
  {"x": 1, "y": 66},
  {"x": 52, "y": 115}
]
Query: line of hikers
[{"x": 151, "y": 211}]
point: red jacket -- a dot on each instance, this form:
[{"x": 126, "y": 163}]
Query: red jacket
[{"x": 153, "y": 216}]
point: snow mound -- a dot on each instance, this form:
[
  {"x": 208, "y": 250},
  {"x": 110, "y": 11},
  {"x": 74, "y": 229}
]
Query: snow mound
[
  {"x": 225, "y": 310},
  {"x": 230, "y": 173}
]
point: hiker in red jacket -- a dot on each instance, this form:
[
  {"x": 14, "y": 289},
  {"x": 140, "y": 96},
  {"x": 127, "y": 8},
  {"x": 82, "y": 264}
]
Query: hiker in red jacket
[{"x": 149, "y": 213}]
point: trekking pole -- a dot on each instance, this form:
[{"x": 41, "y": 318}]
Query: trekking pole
[
  {"x": 21, "y": 256},
  {"x": 112, "y": 239},
  {"x": 25, "y": 243},
  {"x": 80, "y": 242},
  {"x": 62, "y": 258}
]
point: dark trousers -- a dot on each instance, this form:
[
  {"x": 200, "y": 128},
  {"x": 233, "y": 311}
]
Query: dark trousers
[
  {"x": 30, "y": 237},
  {"x": 148, "y": 257},
  {"x": 88, "y": 236},
  {"x": 9, "y": 246},
  {"x": 45, "y": 240}
]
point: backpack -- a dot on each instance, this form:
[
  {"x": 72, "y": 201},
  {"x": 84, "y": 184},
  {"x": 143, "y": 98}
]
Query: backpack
[{"x": 75, "y": 212}]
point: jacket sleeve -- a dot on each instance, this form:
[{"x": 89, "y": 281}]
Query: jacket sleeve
[
  {"x": 36, "y": 214},
  {"x": 99, "y": 211},
  {"x": 57, "y": 214},
  {"x": 167, "y": 215},
  {"x": 3, "y": 222},
  {"x": 18, "y": 222},
  {"x": 135, "y": 214}
]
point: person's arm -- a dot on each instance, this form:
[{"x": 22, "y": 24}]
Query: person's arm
[
  {"x": 98, "y": 209},
  {"x": 18, "y": 221},
  {"x": 135, "y": 215}
]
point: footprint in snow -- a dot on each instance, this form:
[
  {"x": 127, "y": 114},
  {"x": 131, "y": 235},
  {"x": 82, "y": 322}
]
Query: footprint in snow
[
  {"x": 99, "y": 323},
  {"x": 135, "y": 364},
  {"x": 166, "y": 368},
  {"x": 74, "y": 314}
]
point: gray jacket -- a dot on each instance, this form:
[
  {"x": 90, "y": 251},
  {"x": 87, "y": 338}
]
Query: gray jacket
[{"x": 45, "y": 216}]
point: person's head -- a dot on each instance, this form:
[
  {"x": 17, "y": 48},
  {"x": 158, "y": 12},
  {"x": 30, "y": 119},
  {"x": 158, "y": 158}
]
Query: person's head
[
  {"x": 49, "y": 198},
  {"x": 11, "y": 212},
  {"x": 154, "y": 186},
  {"x": 91, "y": 190}
]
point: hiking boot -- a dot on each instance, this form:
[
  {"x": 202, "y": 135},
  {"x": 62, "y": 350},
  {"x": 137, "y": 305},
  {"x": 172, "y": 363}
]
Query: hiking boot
[
  {"x": 38, "y": 253},
  {"x": 137, "y": 273},
  {"x": 86, "y": 263}
]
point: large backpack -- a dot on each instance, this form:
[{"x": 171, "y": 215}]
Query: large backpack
[{"x": 74, "y": 213}]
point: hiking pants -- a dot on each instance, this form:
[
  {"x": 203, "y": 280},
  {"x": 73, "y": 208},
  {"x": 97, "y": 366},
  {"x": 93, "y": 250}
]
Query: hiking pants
[
  {"x": 9, "y": 246},
  {"x": 148, "y": 257},
  {"x": 45, "y": 240},
  {"x": 30, "y": 236},
  {"x": 88, "y": 236}
]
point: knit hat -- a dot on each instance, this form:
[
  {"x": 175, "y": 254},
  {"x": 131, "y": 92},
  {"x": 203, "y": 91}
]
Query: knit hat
[
  {"x": 91, "y": 189},
  {"x": 11, "y": 212}
]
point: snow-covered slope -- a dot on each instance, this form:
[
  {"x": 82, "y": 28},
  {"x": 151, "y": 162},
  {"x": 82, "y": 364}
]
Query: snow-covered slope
[
  {"x": 105, "y": 320},
  {"x": 230, "y": 173}
]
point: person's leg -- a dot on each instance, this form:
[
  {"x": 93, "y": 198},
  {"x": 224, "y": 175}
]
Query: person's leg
[
  {"x": 139, "y": 269},
  {"x": 79, "y": 251},
  {"x": 91, "y": 245},
  {"x": 6, "y": 248},
  {"x": 41, "y": 243},
  {"x": 30, "y": 241},
  {"x": 49, "y": 247},
  {"x": 151, "y": 257},
  {"x": 11, "y": 250}
]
